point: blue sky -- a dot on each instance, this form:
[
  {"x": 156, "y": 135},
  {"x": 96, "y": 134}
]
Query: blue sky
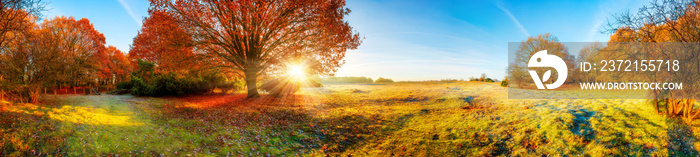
[
  {"x": 410, "y": 39},
  {"x": 118, "y": 20}
]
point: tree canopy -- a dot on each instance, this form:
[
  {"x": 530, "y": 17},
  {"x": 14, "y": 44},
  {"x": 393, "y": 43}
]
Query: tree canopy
[
  {"x": 518, "y": 69},
  {"x": 256, "y": 37}
]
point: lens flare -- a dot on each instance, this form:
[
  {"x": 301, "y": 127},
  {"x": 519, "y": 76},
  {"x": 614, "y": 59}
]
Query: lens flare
[{"x": 296, "y": 72}]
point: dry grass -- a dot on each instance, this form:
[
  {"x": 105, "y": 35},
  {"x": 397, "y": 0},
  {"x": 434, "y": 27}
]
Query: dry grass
[{"x": 418, "y": 119}]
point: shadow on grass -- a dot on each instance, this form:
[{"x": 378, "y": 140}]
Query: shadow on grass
[
  {"x": 680, "y": 139},
  {"x": 24, "y": 134},
  {"x": 582, "y": 125},
  {"x": 289, "y": 125},
  {"x": 622, "y": 132},
  {"x": 66, "y": 126}
]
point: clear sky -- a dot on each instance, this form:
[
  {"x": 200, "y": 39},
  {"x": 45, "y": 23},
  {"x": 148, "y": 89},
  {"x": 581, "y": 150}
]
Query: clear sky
[
  {"x": 118, "y": 20},
  {"x": 410, "y": 39}
]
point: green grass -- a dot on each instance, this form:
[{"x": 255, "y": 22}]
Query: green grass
[{"x": 418, "y": 119}]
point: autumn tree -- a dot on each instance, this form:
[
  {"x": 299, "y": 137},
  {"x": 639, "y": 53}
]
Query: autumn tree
[
  {"x": 13, "y": 14},
  {"x": 16, "y": 18},
  {"x": 588, "y": 54},
  {"x": 17, "y": 66},
  {"x": 258, "y": 36},
  {"x": 517, "y": 70},
  {"x": 666, "y": 21},
  {"x": 163, "y": 41},
  {"x": 167, "y": 50},
  {"x": 59, "y": 50},
  {"x": 114, "y": 66},
  {"x": 78, "y": 43}
]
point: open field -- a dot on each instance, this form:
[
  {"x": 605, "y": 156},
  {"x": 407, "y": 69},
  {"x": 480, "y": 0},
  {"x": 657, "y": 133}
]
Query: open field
[{"x": 418, "y": 119}]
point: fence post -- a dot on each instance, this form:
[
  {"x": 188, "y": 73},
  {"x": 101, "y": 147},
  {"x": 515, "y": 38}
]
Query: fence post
[{"x": 75, "y": 90}]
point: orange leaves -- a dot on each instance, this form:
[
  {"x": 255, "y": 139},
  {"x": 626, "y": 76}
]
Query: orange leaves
[
  {"x": 256, "y": 36},
  {"x": 163, "y": 41},
  {"x": 114, "y": 65},
  {"x": 59, "y": 50},
  {"x": 17, "y": 16},
  {"x": 81, "y": 31},
  {"x": 75, "y": 42},
  {"x": 665, "y": 21}
]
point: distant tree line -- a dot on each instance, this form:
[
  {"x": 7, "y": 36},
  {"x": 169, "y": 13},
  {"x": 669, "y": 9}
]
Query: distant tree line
[
  {"x": 61, "y": 51},
  {"x": 482, "y": 78},
  {"x": 346, "y": 79},
  {"x": 352, "y": 79},
  {"x": 383, "y": 80}
]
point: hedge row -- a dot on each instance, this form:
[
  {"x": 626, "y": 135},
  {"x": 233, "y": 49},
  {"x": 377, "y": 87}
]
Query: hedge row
[{"x": 145, "y": 83}]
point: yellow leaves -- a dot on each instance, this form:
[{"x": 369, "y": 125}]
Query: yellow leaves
[
  {"x": 77, "y": 115},
  {"x": 83, "y": 115},
  {"x": 23, "y": 108}
]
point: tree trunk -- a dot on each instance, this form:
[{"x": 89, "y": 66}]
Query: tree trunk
[
  {"x": 669, "y": 107},
  {"x": 251, "y": 76},
  {"x": 656, "y": 105}
]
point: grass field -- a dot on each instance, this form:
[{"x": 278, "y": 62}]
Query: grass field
[{"x": 407, "y": 119}]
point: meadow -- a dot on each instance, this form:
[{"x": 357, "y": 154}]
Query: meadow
[{"x": 393, "y": 119}]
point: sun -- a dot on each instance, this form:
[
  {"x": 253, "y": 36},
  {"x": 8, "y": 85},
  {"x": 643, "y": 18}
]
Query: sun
[{"x": 296, "y": 72}]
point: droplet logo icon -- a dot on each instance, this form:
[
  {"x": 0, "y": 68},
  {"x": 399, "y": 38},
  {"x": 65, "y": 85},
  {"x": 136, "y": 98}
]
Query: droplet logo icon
[{"x": 542, "y": 59}]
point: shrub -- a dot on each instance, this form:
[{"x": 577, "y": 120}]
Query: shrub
[
  {"x": 140, "y": 87},
  {"x": 172, "y": 84},
  {"x": 125, "y": 85},
  {"x": 226, "y": 87},
  {"x": 383, "y": 80},
  {"x": 504, "y": 83},
  {"x": 314, "y": 83},
  {"x": 488, "y": 80}
]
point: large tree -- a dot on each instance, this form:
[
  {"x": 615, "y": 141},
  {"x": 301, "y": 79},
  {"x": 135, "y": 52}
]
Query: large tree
[
  {"x": 78, "y": 44},
  {"x": 164, "y": 41},
  {"x": 13, "y": 13},
  {"x": 256, "y": 36},
  {"x": 59, "y": 50},
  {"x": 517, "y": 71},
  {"x": 666, "y": 21},
  {"x": 590, "y": 54}
]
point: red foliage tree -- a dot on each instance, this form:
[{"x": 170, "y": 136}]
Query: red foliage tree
[
  {"x": 14, "y": 15},
  {"x": 256, "y": 36},
  {"x": 164, "y": 42},
  {"x": 78, "y": 45},
  {"x": 114, "y": 66},
  {"x": 60, "y": 50}
]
